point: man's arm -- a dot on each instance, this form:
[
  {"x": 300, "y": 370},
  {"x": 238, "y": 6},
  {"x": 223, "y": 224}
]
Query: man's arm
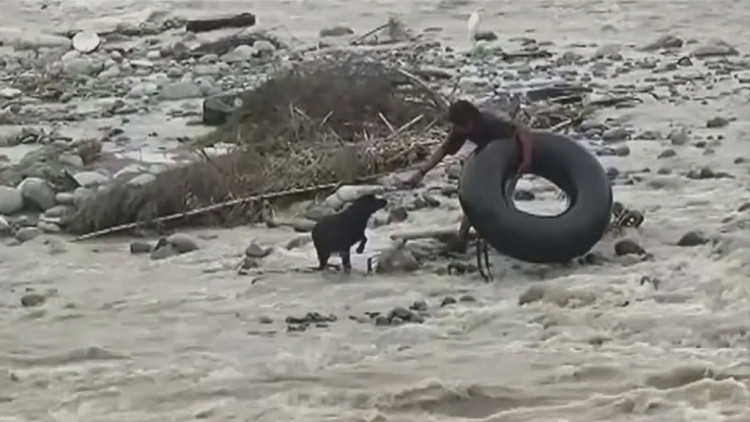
[
  {"x": 524, "y": 139},
  {"x": 450, "y": 146}
]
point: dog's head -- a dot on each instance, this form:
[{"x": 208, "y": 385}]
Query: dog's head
[{"x": 369, "y": 203}]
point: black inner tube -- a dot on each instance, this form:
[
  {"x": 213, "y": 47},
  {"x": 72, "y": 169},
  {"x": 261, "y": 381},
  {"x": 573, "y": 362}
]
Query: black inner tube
[{"x": 486, "y": 191}]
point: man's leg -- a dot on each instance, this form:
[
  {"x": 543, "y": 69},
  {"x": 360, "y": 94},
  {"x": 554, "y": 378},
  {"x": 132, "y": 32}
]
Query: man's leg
[{"x": 462, "y": 237}]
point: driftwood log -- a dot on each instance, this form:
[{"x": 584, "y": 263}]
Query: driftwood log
[{"x": 236, "y": 21}]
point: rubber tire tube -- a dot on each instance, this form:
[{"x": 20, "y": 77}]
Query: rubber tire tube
[{"x": 486, "y": 188}]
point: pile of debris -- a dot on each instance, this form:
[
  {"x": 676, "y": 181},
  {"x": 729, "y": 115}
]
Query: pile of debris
[{"x": 326, "y": 121}]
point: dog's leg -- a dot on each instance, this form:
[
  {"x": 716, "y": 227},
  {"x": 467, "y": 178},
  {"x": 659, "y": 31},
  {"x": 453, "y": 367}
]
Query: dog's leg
[
  {"x": 346, "y": 261},
  {"x": 323, "y": 260},
  {"x": 362, "y": 243}
]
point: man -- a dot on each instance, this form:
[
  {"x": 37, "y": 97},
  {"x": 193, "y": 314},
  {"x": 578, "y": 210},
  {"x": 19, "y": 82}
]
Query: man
[{"x": 481, "y": 128}]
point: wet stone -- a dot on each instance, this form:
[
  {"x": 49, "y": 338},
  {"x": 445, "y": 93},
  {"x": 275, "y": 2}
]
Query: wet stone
[
  {"x": 265, "y": 320},
  {"x": 706, "y": 173},
  {"x": 678, "y": 137},
  {"x": 32, "y": 300},
  {"x": 25, "y": 234},
  {"x": 399, "y": 312},
  {"x": 667, "y": 153},
  {"x": 298, "y": 242},
  {"x": 254, "y": 250},
  {"x": 717, "y": 122},
  {"x": 397, "y": 215},
  {"x": 532, "y": 294},
  {"x": 163, "y": 251},
  {"x": 664, "y": 42},
  {"x": 615, "y": 134},
  {"x": 55, "y": 246},
  {"x": 650, "y": 135},
  {"x": 467, "y": 299},
  {"x": 182, "y": 243},
  {"x": 382, "y": 320},
  {"x": 622, "y": 151},
  {"x": 692, "y": 238},
  {"x": 628, "y": 247},
  {"x": 430, "y": 200},
  {"x": 336, "y": 31},
  {"x": 311, "y": 318},
  {"x": 419, "y": 305},
  {"x": 137, "y": 248},
  {"x": 47, "y": 227},
  {"x": 448, "y": 300}
]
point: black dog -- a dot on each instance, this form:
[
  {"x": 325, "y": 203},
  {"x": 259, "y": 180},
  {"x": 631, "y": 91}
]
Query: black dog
[{"x": 339, "y": 232}]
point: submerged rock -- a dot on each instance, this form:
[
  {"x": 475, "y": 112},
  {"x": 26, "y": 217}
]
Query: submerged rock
[
  {"x": 693, "y": 238},
  {"x": 628, "y": 247},
  {"x": 38, "y": 192},
  {"x": 396, "y": 260},
  {"x": 11, "y": 200}
]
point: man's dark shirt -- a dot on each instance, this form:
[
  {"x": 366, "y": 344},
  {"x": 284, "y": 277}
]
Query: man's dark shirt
[{"x": 488, "y": 128}]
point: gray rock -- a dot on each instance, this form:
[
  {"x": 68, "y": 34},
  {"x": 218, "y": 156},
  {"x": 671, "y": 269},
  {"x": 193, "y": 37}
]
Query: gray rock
[
  {"x": 664, "y": 42},
  {"x": 59, "y": 211},
  {"x": 89, "y": 179},
  {"x": 11, "y": 200},
  {"x": 667, "y": 153},
  {"x": 32, "y": 300},
  {"x": 533, "y": 294},
  {"x": 263, "y": 48},
  {"x": 615, "y": 134},
  {"x": 4, "y": 226},
  {"x": 163, "y": 252},
  {"x": 208, "y": 86},
  {"x": 485, "y": 36},
  {"x": 25, "y": 234},
  {"x": 397, "y": 259},
  {"x": 129, "y": 171},
  {"x": 143, "y": 89},
  {"x": 622, "y": 151},
  {"x": 72, "y": 160},
  {"x": 38, "y": 192},
  {"x": 47, "y": 227},
  {"x": 336, "y": 31},
  {"x": 693, "y": 238},
  {"x": 55, "y": 246},
  {"x": 139, "y": 248},
  {"x": 64, "y": 198},
  {"x": 678, "y": 136},
  {"x": 716, "y": 48},
  {"x": 717, "y": 122},
  {"x": 110, "y": 72},
  {"x": 628, "y": 247},
  {"x": 254, "y": 250},
  {"x": 650, "y": 135},
  {"x": 182, "y": 243},
  {"x": 241, "y": 53},
  {"x": 142, "y": 179},
  {"x": 10, "y": 93},
  {"x": 397, "y": 215},
  {"x": 216, "y": 110},
  {"x": 181, "y": 90},
  {"x": 209, "y": 69},
  {"x": 82, "y": 66},
  {"x": 298, "y": 241}
]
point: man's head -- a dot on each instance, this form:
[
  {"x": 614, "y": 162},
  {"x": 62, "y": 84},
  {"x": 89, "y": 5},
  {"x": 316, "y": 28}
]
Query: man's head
[{"x": 463, "y": 115}]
